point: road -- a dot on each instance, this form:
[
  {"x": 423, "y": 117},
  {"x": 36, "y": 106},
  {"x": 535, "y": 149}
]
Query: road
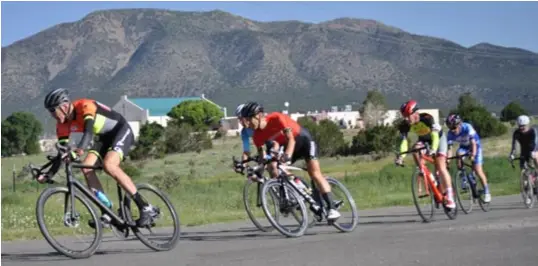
[{"x": 507, "y": 235}]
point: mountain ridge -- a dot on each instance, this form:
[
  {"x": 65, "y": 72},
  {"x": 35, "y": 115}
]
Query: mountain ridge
[{"x": 229, "y": 58}]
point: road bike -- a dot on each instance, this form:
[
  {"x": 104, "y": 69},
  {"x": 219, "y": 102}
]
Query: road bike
[
  {"x": 528, "y": 183},
  {"x": 431, "y": 182},
  {"x": 75, "y": 190},
  {"x": 291, "y": 191},
  {"x": 467, "y": 176}
]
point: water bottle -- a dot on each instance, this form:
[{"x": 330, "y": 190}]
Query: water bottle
[{"x": 102, "y": 197}]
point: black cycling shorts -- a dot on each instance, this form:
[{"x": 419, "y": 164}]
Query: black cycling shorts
[
  {"x": 119, "y": 140},
  {"x": 305, "y": 147}
]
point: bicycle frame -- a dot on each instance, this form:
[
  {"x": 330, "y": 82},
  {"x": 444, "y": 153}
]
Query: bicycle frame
[
  {"x": 74, "y": 183},
  {"x": 426, "y": 174}
]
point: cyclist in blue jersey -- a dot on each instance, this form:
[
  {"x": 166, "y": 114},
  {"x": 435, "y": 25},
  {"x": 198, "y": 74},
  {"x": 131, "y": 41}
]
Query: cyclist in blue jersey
[
  {"x": 246, "y": 134},
  {"x": 469, "y": 141}
]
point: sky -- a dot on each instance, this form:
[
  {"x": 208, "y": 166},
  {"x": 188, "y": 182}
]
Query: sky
[{"x": 511, "y": 24}]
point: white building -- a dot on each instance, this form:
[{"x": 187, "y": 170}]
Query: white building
[{"x": 138, "y": 111}]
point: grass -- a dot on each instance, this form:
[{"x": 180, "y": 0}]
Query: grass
[{"x": 209, "y": 191}]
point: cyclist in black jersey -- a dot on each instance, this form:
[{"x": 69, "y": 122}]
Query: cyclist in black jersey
[{"x": 527, "y": 137}]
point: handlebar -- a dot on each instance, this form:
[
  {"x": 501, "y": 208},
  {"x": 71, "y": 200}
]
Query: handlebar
[{"x": 38, "y": 171}]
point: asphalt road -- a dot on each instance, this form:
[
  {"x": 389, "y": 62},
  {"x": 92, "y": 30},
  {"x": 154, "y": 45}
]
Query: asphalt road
[{"x": 507, "y": 235}]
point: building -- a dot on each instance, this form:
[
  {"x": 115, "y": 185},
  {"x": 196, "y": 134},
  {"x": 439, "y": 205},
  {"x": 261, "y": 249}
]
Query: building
[{"x": 138, "y": 111}]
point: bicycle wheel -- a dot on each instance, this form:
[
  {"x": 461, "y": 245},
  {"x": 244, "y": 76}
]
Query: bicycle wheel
[
  {"x": 69, "y": 221},
  {"x": 256, "y": 197},
  {"x": 174, "y": 219},
  {"x": 350, "y": 201},
  {"x": 463, "y": 196},
  {"x": 285, "y": 207},
  {"x": 526, "y": 187},
  {"x": 418, "y": 180},
  {"x": 480, "y": 191}
]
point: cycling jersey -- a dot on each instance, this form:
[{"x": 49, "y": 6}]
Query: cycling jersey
[
  {"x": 92, "y": 117},
  {"x": 466, "y": 134},
  {"x": 305, "y": 147},
  {"x": 274, "y": 130},
  {"x": 246, "y": 134},
  {"x": 427, "y": 131},
  {"x": 528, "y": 141}
]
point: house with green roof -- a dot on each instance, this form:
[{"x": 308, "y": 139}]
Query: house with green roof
[{"x": 138, "y": 111}]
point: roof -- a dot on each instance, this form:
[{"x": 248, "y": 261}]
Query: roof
[{"x": 160, "y": 106}]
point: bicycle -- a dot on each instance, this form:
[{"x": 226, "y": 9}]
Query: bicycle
[
  {"x": 528, "y": 183},
  {"x": 432, "y": 184},
  {"x": 468, "y": 179},
  {"x": 71, "y": 217},
  {"x": 283, "y": 182},
  {"x": 255, "y": 176}
]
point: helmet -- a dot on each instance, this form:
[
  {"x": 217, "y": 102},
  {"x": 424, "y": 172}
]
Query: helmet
[
  {"x": 238, "y": 110},
  {"x": 408, "y": 108},
  {"x": 251, "y": 109},
  {"x": 523, "y": 120},
  {"x": 452, "y": 121},
  {"x": 55, "y": 98}
]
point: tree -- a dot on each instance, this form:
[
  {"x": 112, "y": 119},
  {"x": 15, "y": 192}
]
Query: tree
[
  {"x": 511, "y": 111},
  {"x": 377, "y": 139},
  {"x": 150, "y": 142},
  {"x": 328, "y": 136},
  {"x": 197, "y": 113},
  {"x": 20, "y": 133},
  {"x": 373, "y": 108},
  {"x": 472, "y": 112}
]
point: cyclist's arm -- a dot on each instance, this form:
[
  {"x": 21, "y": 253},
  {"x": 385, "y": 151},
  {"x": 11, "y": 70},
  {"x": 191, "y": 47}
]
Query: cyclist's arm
[
  {"x": 435, "y": 137},
  {"x": 514, "y": 138},
  {"x": 404, "y": 130},
  {"x": 473, "y": 148},
  {"x": 88, "y": 114},
  {"x": 246, "y": 143},
  {"x": 534, "y": 141},
  {"x": 288, "y": 132}
]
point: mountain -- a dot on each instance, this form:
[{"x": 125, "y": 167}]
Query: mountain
[{"x": 150, "y": 52}]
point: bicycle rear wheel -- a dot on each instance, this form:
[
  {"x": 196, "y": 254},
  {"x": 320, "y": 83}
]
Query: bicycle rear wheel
[
  {"x": 345, "y": 200},
  {"x": 173, "y": 219},
  {"x": 70, "y": 221},
  {"x": 418, "y": 180},
  {"x": 286, "y": 206}
]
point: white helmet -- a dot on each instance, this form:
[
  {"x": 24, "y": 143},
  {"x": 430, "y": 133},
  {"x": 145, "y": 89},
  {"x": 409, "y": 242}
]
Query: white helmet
[
  {"x": 238, "y": 110},
  {"x": 523, "y": 120}
]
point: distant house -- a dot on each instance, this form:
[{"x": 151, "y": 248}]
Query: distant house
[{"x": 138, "y": 111}]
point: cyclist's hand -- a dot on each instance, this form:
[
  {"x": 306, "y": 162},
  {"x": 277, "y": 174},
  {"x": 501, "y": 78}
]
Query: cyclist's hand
[
  {"x": 42, "y": 178},
  {"x": 285, "y": 158},
  {"x": 511, "y": 157},
  {"x": 238, "y": 168},
  {"x": 431, "y": 153},
  {"x": 398, "y": 161}
]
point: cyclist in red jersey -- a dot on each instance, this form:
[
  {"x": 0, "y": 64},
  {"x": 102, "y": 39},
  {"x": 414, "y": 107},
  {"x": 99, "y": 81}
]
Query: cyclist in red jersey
[
  {"x": 277, "y": 129},
  {"x": 115, "y": 139}
]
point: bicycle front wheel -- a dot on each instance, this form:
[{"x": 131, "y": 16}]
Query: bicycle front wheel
[
  {"x": 464, "y": 194},
  {"x": 62, "y": 209},
  {"x": 292, "y": 205},
  {"x": 252, "y": 202},
  {"x": 526, "y": 187},
  {"x": 422, "y": 195}
]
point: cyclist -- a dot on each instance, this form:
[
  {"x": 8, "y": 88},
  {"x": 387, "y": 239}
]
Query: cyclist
[
  {"x": 430, "y": 132},
  {"x": 246, "y": 134},
  {"x": 115, "y": 139},
  {"x": 296, "y": 141},
  {"x": 469, "y": 141},
  {"x": 527, "y": 137}
]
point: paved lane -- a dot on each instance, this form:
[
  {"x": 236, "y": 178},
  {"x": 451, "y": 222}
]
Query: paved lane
[{"x": 507, "y": 235}]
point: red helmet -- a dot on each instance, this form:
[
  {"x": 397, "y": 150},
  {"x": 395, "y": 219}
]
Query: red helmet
[{"x": 408, "y": 108}]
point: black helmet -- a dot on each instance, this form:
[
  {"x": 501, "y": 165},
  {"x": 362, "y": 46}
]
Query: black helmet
[
  {"x": 55, "y": 98},
  {"x": 452, "y": 121},
  {"x": 251, "y": 109}
]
